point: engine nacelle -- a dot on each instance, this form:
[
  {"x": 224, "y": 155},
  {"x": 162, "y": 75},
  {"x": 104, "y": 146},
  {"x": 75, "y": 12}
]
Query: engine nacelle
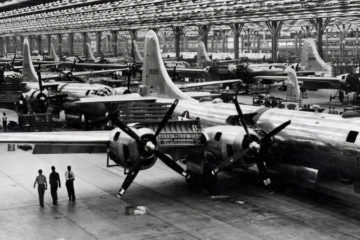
[
  {"x": 225, "y": 141},
  {"x": 125, "y": 151}
]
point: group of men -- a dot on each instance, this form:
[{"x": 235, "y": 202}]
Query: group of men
[{"x": 55, "y": 183}]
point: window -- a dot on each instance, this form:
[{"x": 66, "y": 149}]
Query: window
[
  {"x": 351, "y": 138},
  {"x": 217, "y": 136}
]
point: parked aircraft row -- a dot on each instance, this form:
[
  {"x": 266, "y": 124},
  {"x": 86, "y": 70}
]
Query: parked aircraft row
[{"x": 303, "y": 146}]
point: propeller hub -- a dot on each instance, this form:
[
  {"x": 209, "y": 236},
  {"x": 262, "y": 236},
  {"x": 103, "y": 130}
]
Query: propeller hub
[
  {"x": 150, "y": 146},
  {"x": 254, "y": 146}
]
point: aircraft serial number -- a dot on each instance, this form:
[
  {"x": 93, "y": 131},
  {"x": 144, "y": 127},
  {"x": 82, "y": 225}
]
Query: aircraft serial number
[{"x": 153, "y": 71}]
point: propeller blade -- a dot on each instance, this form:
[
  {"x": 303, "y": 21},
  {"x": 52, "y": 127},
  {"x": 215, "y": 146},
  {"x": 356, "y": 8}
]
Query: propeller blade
[
  {"x": 263, "y": 172},
  {"x": 125, "y": 128},
  {"x": 73, "y": 66},
  {"x": 277, "y": 129},
  {"x": 229, "y": 161},
  {"x": 241, "y": 116},
  {"x": 39, "y": 79},
  {"x": 129, "y": 179},
  {"x": 170, "y": 163},
  {"x": 166, "y": 117}
]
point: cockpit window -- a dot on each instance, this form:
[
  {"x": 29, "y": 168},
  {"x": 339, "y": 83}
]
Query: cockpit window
[
  {"x": 217, "y": 136},
  {"x": 351, "y": 138}
]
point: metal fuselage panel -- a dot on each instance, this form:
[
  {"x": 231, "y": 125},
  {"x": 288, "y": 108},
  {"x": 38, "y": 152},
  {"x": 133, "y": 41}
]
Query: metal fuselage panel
[
  {"x": 314, "y": 140},
  {"x": 210, "y": 114}
]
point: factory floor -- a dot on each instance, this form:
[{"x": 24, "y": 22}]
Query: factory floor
[{"x": 239, "y": 208}]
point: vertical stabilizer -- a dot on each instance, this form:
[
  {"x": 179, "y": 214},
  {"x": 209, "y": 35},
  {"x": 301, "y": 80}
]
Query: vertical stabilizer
[
  {"x": 311, "y": 60},
  {"x": 155, "y": 75},
  {"x": 29, "y": 73},
  {"x": 53, "y": 54},
  {"x": 293, "y": 93},
  {"x": 91, "y": 54},
  {"x": 138, "y": 56},
  {"x": 202, "y": 55}
]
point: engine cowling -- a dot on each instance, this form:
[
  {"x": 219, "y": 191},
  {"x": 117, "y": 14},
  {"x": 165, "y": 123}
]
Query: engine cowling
[
  {"x": 225, "y": 141},
  {"x": 125, "y": 151}
]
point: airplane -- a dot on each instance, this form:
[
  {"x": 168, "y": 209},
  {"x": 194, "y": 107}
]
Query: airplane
[
  {"x": 322, "y": 77},
  {"x": 41, "y": 94},
  {"x": 310, "y": 64},
  {"x": 314, "y": 146}
]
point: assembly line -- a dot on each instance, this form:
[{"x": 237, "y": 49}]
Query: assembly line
[{"x": 179, "y": 119}]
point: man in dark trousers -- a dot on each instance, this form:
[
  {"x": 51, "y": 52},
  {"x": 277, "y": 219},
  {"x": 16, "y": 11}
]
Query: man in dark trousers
[
  {"x": 42, "y": 186},
  {"x": 70, "y": 177},
  {"x": 4, "y": 121},
  {"x": 54, "y": 180}
]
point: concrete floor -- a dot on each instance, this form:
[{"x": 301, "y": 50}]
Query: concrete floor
[{"x": 175, "y": 212}]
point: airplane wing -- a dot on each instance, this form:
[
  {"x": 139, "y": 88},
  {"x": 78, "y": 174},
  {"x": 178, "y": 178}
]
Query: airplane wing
[
  {"x": 188, "y": 70},
  {"x": 68, "y": 137},
  {"x": 117, "y": 99},
  {"x": 49, "y": 76},
  {"x": 198, "y": 95},
  {"x": 61, "y": 142},
  {"x": 97, "y": 65},
  {"x": 202, "y": 84}
]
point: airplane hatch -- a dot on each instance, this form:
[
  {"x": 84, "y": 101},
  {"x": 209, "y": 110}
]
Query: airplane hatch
[{"x": 351, "y": 138}]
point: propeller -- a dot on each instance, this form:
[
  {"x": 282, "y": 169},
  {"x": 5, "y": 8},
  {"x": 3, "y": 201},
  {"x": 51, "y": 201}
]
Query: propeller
[
  {"x": 127, "y": 91},
  {"x": 41, "y": 97},
  {"x": 147, "y": 148},
  {"x": 256, "y": 148}
]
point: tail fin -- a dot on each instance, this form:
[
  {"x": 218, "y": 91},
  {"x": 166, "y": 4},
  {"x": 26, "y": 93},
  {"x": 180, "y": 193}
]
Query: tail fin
[
  {"x": 28, "y": 71},
  {"x": 310, "y": 58},
  {"x": 155, "y": 76},
  {"x": 293, "y": 93},
  {"x": 91, "y": 54},
  {"x": 202, "y": 55},
  {"x": 138, "y": 56},
  {"x": 53, "y": 54}
]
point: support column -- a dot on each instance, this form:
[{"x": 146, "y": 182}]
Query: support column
[
  {"x": 85, "y": 38},
  {"x": 357, "y": 45},
  {"x": 71, "y": 44},
  {"x": 40, "y": 45},
  {"x": 236, "y": 29},
  {"x": 133, "y": 35},
  {"x": 98, "y": 43},
  {"x": 320, "y": 28},
  {"x": 258, "y": 42},
  {"x": 178, "y": 32},
  {"x": 223, "y": 36},
  {"x": 204, "y": 32},
  {"x": 2, "y": 47},
  {"x": 114, "y": 39},
  {"x": 275, "y": 28},
  {"x": 59, "y": 36},
  {"x": 343, "y": 32},
  {"x": 300, "y": 44},
  {"x": 327, "y": 46},
  {"x": 48, "y": 43}
]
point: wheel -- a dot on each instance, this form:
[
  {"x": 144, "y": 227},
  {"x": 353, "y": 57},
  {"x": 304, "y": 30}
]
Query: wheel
[{"x": 193, "y": 181}]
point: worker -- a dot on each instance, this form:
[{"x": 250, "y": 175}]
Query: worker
[
  {"x": 70, "y": 177},
  {"x": 4, "y": 121},
  {"x": 42, "y": 186},
  {"x": 341, "y": 96},
  {"x": 54, "y": 180}
]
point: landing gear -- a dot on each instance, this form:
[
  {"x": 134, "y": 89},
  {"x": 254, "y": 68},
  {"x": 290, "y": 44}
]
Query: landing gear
[{"x": 204, "y": 180}]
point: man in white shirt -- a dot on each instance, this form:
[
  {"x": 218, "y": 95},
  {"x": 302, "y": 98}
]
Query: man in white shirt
[{"x": 70, "y": 177}]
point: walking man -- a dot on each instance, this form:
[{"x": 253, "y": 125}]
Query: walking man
[
  {"x": 54, "y": 180},
  {"x": 70, "y": 177},
  {"x": 42, "y": 186},
  {"x": 4, "y": 121}
]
